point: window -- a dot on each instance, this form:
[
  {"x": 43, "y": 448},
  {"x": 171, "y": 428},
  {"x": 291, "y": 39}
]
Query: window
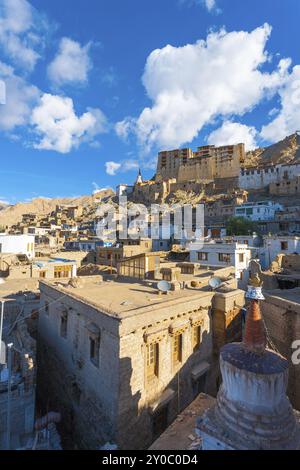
[
  {"x": 284, "y": 245},
  {"x": 241, "y": 257},
  {"x": 94, "y": 350},
  {"x": 202, "y": 256},
  {"x": 224, "y": 257},
  {"x": 64, "y": 325},
  {"x": 62, "y": 271},
  {"x": 42, "y": 274},
  {"x": 152, "y": 360},
  {"x": 196, "y": 337},
  {"x": 177, "y": 349}
]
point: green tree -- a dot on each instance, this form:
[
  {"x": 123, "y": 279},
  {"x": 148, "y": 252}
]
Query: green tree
[{"x": 240, "y": 226}]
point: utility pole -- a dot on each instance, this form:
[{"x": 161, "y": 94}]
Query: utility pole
[
  {"x": 9, "y": 346},
  {"x": 1, "y": 325}
]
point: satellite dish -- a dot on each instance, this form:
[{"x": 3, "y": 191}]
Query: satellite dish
[
  {"x": 164, "y": 286},
  {"x": 215, "y": 282}
]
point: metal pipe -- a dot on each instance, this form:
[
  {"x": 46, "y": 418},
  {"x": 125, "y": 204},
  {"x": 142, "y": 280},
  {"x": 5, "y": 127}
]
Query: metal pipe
[
  {"x": 1, "y": 325},
  {"x": 9, "y": 346}
]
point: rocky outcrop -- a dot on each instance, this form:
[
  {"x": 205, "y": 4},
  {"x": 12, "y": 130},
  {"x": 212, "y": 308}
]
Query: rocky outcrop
[{"x": 283, "y": 152}]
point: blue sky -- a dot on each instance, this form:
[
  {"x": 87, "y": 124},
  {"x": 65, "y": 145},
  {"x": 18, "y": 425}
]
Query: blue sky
[{"x": 95, "y": 88}]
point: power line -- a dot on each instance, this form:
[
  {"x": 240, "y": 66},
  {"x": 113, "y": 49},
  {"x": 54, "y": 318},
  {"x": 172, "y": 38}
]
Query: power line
[{"x": 37, "y": 311}]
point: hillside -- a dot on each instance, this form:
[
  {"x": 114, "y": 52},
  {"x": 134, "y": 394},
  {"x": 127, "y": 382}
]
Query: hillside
[
  {"x": 42, "y": 206},
  {"x": 284, "y": 151}
]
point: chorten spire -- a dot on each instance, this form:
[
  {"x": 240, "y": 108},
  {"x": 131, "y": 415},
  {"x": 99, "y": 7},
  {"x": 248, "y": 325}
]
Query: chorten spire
[
  {"x": 255, "y": 334},
  {"x": 139, "y": 177}
]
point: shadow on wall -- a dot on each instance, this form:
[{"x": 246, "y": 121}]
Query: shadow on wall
[{"x": 134, "y": 423}]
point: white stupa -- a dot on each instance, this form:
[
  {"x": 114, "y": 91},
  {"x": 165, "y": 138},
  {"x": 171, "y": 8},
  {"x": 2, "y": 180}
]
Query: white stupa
[{"x": 252, "y": 409}]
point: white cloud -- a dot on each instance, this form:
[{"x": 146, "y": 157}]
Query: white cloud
[
  {"x": 288, "y": 119},
  {"x": 71, "y": 64},
  {"x": 58, "y": 126},
  {"x": 112, "y": 168},
  {"x": 20, "y": 99},
  {"x": 125, "y": 127},
  {"x": 234, "y": 133},
  {"x": 210, "y": 5},
  {"x": 191, "y": 85},
  {"x": 22, "y": 31}
]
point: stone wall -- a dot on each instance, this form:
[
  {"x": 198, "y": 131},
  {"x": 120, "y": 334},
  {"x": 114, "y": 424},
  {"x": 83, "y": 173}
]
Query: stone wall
[
  {"x": 86, "y": 395},
  {"x": 282, "y": 319},
  {"x": 117, "y": 401}
]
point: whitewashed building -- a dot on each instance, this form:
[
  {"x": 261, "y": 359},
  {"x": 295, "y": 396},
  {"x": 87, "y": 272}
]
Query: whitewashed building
[
  {"x": 261, "y": 210},
  {"x": 223, "y": 254},
  {"x": 258, "y": 178},
  {"x": 123, "y": 189},
  {"x": 17, "y": 244},
  {"x": 253, "y": 240},
  {"x": 276, "y": 244}
]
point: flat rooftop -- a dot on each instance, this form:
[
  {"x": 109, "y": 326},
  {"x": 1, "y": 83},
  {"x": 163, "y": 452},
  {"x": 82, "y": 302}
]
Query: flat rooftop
[
  {"x": 288, "y": 295},
  {"x": 124, "y": 297},
  {"x": 12, "y": 286}
]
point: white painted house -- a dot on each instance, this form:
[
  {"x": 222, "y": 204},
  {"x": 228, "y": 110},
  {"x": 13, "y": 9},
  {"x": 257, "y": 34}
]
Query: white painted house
[
  {"x": 123, "y": 190},
  {"x": 216, "y": 254},
  {"x": 253, "y": 241},
  {"x": 276, "y": 244},
  {"x": 261, "y": 210},
  {"x": 17, "y": 244},
  {"x": 258, "y": 178}
]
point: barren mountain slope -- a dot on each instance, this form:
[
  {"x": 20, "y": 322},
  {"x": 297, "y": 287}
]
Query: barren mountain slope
[{"x": 13, "y": 214}]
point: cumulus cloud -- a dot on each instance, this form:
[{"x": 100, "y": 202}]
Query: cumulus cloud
[
  {"x": 60, "y": 129},
  {"x": 234, "y": 133},
  {"x": 71, "y": 64},
  {"x": 112, "y": 168},
  {"x": 125, "y": 127},
  {"x": 22, "y": 31},
  {"x": 190, "y": 86},
  {"x": 21, "y": 97},
  {"x": 287, "y": 120}
]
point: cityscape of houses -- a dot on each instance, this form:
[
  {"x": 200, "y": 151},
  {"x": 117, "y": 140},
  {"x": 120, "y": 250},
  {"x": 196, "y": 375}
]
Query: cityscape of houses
[
  {"x": 149, "y": 232},
  {"x": 120, "y": 342}
]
